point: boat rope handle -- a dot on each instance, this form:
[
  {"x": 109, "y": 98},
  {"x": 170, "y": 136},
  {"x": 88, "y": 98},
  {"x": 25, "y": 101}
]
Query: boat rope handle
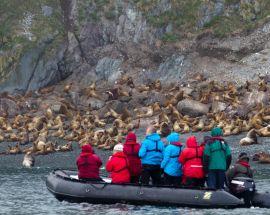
[{"x": 97, "y": 188}]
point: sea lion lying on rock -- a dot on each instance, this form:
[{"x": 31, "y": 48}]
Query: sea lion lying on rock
[
  {"x": 250, "y": 139},
  {"x": 262, "y": 157}
]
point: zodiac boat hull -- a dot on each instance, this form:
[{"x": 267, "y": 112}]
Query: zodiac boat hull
[{"x": 65, "y": 187}]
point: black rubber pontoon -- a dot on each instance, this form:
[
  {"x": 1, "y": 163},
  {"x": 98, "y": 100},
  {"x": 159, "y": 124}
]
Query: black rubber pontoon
[{"x": 64, "y": 186}]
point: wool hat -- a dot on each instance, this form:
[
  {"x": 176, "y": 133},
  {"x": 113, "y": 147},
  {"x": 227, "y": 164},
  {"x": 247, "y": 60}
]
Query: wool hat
[
  {"x": 118, "y": 148},
  {"x": 243, "y": 157}
]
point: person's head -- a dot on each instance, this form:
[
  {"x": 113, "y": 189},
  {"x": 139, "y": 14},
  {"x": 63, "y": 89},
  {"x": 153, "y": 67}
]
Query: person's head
[
  {"x": 191, "y": 141},
  {"x": 243, "y": 157},
  {"x": 87, "y": 149},
  {"x": 216, "y": 132},
  {"x": 131, "y": 137},
  {"x": 173, "y": 137},
  {"x": 117, "y": 148},
  {"x": 150, "y": 130}
]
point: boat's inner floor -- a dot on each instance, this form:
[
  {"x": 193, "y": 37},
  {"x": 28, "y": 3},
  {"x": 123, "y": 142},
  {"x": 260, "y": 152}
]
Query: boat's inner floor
[{"x": 72, "y": 175}]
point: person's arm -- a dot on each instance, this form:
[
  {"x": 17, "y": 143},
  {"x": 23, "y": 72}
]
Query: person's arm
[
  {"x": 228, "y": 157},
  {"x": 142, "y": 151},
  {"x": 166, "y": 157},
  {"x": 77, "y": 161},
  {"x": 206, "y": 158},
  {"x": 109, "y": 166},
  {"x": 98, "y": 160},
  {"x": 182, "y": 158}
]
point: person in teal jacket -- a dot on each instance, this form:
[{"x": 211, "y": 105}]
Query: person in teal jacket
[
  {"x": 216, "y": 159},
  {"x": 151, "y": 154},
  {"x": 172, "y": 168}
]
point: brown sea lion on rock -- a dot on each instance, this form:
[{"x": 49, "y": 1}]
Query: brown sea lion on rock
[
  {"x": 250, "y": 139},
  {"x": 262, "y": 157},
  {"x": 264, "y": 132}
]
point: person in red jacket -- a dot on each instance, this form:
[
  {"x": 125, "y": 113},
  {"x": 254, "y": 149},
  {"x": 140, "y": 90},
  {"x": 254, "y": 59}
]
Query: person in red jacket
[
  {"x": 118, "y": 166},
  {"x": 131, "y": 150},
  {"x": 191, "y": 160},
  {"x": 88, "y": 164}
]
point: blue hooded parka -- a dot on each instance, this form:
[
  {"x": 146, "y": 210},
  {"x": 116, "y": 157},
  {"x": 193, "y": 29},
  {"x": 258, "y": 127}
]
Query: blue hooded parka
[
  {"x": 172, "y": 152},
  {"x": 151, "y": 151}
]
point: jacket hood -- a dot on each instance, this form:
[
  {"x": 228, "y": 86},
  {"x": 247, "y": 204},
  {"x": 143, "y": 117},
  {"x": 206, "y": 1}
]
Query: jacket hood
[
  {"x": 120, "y": 154},
  {"x": 131, "y": 138},
  {"x": 173, "y": 137},
  {"x": 153, "y": 137},
  {"x": 87, "y": 149},
  {"x": 192, "y": 142},
  {"x": 216, "y": 132}
]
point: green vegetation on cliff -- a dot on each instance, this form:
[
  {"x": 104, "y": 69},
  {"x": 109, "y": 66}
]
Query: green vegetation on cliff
[{"x": 223, "y": 18}]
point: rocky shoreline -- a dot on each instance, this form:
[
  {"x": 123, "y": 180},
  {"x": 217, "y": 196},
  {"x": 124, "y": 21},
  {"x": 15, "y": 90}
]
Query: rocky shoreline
[{"x": 101, "y": 115}]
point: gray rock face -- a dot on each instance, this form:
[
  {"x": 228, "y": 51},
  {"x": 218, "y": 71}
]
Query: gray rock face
[
  {"x": 33, "y": 72},
  {"x": 108, "y": 69},
  {"x": 94, "y": 103},
  {"x": 192, "y": 108},
  {"x": 210, "y": 11},
  {"x": 169, "y": 71}
]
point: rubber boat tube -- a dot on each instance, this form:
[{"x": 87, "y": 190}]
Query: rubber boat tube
[
  {"x": 261, "y": 200},
  {"x": 65, "y": 187}
]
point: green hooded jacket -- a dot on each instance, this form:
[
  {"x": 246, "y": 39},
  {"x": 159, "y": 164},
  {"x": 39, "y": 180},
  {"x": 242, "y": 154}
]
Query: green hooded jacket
[{"x": 217, "y": 153}]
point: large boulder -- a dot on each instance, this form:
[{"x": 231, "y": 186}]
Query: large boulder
[
  {"x": 9, "y": 106},
  {"x": 192, "y": 108},
  {"x": 256, "y": 97}
]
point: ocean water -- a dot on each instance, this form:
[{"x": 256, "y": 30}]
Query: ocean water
[{"x": 23, "y": 191}]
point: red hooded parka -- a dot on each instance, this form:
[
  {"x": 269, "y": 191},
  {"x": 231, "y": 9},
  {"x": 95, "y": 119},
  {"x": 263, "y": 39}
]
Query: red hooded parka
[
  {"x": 118, "y": 166},
  {"x": 191, "y": 159},
  {"x": 88, "y": 163},
  {"x": 131, "y": 150}
]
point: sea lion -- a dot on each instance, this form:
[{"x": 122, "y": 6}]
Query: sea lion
[
  {"x": 250, "y": 139},
  {"x": 28, "y": 160},
  {"x": 262, "y": 157},
  {"x": 264, "y": 132}
]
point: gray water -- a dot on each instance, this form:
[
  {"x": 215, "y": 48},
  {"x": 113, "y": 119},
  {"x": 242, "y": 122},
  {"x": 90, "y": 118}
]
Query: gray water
[{"x": 23, "y": 191}]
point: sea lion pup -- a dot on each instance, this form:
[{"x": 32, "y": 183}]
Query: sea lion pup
[
  {"x": 250, "y": 139},
  {"x": 28, "y": 160},
  {"x": 199, "y": 126},
  {"x": 174, "y": 98},
  {"x": 164, "y": 129},
  {"x": 147, "y": 112},
  {"x": 143, "y": 88}
]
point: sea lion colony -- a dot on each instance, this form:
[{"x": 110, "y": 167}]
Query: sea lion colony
[{"x": 53, "y": 112}]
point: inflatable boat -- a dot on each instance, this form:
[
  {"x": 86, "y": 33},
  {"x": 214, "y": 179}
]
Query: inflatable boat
[{"x": 65, "y": 185}]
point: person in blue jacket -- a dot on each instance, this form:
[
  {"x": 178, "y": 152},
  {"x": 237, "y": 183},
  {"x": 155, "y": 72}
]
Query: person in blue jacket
[
  {"x": 172, "y": 168},
  {"x": 151, "y": 154}
]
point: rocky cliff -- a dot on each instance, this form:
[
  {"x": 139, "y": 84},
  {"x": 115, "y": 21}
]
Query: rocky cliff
[{"x": 43, "y": 42}]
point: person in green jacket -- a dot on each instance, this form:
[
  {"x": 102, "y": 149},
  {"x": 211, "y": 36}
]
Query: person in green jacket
[{"x": 216, "y": 159}]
